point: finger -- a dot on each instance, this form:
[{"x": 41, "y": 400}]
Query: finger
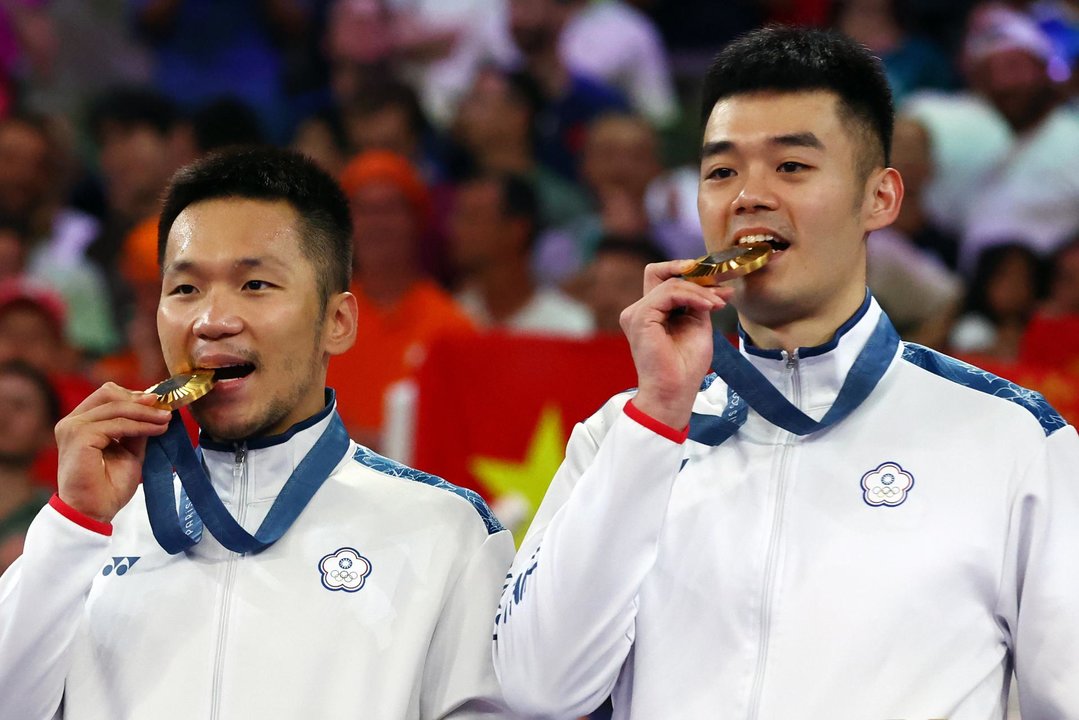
[
  {"x": 87, "y": 428},
  {"x": 657, "y": 273},
  {"x": 675, "y": 293},
  {"x": 127, "y": 407},
  {"x": 109, "y": 392},
  {"x": 102, "y": 435}
]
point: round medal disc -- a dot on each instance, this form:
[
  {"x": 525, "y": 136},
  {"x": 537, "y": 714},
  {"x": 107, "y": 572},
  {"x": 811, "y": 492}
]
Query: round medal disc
[
  {"x": 719, "y": 267},
  {"x": 182, "y": 389}
]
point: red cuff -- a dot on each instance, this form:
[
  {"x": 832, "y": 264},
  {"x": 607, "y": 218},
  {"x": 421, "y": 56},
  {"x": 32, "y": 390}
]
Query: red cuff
[
  {"x": 101, "y": 528},
  {"x": 662, "y": 429}
]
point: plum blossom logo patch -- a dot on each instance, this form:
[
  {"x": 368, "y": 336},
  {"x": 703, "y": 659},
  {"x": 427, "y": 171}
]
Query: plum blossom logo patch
[
  {"x": 344, "y": 569},
  {"x": 887, "y": 485}
]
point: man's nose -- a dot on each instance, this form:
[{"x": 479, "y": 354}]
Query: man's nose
[
  {"x": 756, "y": 195},
  {"x": 217, "y": 318}
]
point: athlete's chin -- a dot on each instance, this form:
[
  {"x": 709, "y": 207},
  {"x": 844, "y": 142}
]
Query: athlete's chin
[
  {"x": 763, "y": 303},
  {"x": 230, "y": 428}
]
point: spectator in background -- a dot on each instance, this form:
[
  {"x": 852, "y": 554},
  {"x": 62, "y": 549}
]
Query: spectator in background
[
  {"x": 205, "y": 50},
  {"x": 401, "y": 310},
  {"x": 387, "y": 116},
  {"x": 32, "y": 320},
  {"x": 615, "y": 42},
  {"x": 30, "y": 409},
  {"x": 632, "y": 195},
  {"x": 1031, "y": 194},
  {"x": 1063, "y": 296},
  {"x": 905, "y": 271},
  {"x": 571, "y": 99},
  {"x": 1051, "y": 339},
  {"x": 495, "y": 132},
  {"x": 27, "y": 47},
  {"x": 614, "y": 279},
  {"x": 57, "y": 236},
  {"x": 911, "y": 62},
  {"x": 139, "y": 363},
  {"x": 1004, "y": 293},
  {"x": 492, "y": 230},
  {"x": 94, "y": 49},
  {"x": 321, "y": 137},
  {"x": 439, "y": 45},
  {"x": 142, "y": 138}
]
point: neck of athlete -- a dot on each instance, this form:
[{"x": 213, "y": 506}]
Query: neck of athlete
[{"x": 806, "y": 330}]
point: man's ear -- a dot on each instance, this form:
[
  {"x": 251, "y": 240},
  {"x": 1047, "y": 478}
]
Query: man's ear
[
  {"x": 339, "y": 331},
  {"x": 884, "y": 197}
]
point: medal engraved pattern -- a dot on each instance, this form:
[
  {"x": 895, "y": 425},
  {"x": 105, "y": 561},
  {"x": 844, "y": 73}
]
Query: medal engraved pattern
[{"x": 182, "y": 389}]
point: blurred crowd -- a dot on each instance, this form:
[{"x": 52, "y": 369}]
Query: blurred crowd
[{"x": 512, "y": 165}]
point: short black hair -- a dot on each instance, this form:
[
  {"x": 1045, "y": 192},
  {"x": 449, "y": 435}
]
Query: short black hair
[
  {"x": 39, "y": 379},
  {"x": 788, "y": 59},
  {"x": 271, "y": 174},
  {"x": 132, "y": 106}
]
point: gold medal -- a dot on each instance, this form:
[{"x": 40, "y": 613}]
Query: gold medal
[
  {"x": 182, "y": 389},
  {"x": 719, "y": 267}
]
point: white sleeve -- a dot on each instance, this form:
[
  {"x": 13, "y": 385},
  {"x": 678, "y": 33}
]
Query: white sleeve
[
  {"x": 459, "y": 680},
  {"x": 566, "y": 620},
  {"x": 42, "y": 606},
  {"x": 1042, "y": 587}
]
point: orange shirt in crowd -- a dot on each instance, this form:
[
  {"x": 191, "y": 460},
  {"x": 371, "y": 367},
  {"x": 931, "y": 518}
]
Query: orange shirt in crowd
[{"x": 390, "y": 345}]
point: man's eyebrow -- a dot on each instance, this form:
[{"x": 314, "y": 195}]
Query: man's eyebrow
[
  {"x": 802, "y": 139},
  {"x": 177, "y": 267},
  {"x": 181, "y": 266},
  {"x": 256, "y": 262},
  {"x": 716, "y": 147}
]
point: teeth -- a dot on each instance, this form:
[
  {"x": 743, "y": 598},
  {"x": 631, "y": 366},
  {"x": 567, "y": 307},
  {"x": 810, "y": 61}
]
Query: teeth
[{"x": 755, "y": 239}]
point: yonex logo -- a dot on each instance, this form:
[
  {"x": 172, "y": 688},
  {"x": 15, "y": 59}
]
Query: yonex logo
[{"x": 120, "y": 565}]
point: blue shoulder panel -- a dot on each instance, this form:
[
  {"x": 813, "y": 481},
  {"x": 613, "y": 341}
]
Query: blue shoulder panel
[
  {"x": 395, "y": 469},
  {"x": 983, "y": 381}
]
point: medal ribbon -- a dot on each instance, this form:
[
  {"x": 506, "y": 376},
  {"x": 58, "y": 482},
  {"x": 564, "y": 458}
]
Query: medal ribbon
[
  {"x": 746, "y": 382},
  {"x": 173, "y": 452}
]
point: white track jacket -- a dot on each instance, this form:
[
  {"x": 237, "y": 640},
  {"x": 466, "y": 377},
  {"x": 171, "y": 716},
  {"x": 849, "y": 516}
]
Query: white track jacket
[
  {"x": 376, "y": 604},
  {"x": 892, "y": 566}
]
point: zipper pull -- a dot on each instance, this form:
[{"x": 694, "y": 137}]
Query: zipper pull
[
  {"x": 792, "y": 359},
  {"x": 241, "y": 453}
]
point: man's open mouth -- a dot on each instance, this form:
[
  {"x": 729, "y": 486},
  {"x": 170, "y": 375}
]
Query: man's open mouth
[
  {"x": 776, "y": 243},
  {"x": 233, "y": 372}
]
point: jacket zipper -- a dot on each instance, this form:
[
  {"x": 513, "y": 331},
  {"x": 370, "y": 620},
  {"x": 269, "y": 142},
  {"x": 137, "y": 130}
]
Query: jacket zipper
[
  {"x": 774, "y": 546},
  {"x": 239, "y": 481}
]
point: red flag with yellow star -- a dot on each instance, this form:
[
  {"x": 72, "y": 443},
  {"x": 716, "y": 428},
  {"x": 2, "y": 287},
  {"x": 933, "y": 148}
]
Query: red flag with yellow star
[{"x": 494, "y": 412}]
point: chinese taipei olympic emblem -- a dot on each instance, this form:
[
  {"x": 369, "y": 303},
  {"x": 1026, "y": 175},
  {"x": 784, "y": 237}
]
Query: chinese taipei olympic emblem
[
  {"x": 344, "y": 569},
  {"x": 887, "y": 485}
]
